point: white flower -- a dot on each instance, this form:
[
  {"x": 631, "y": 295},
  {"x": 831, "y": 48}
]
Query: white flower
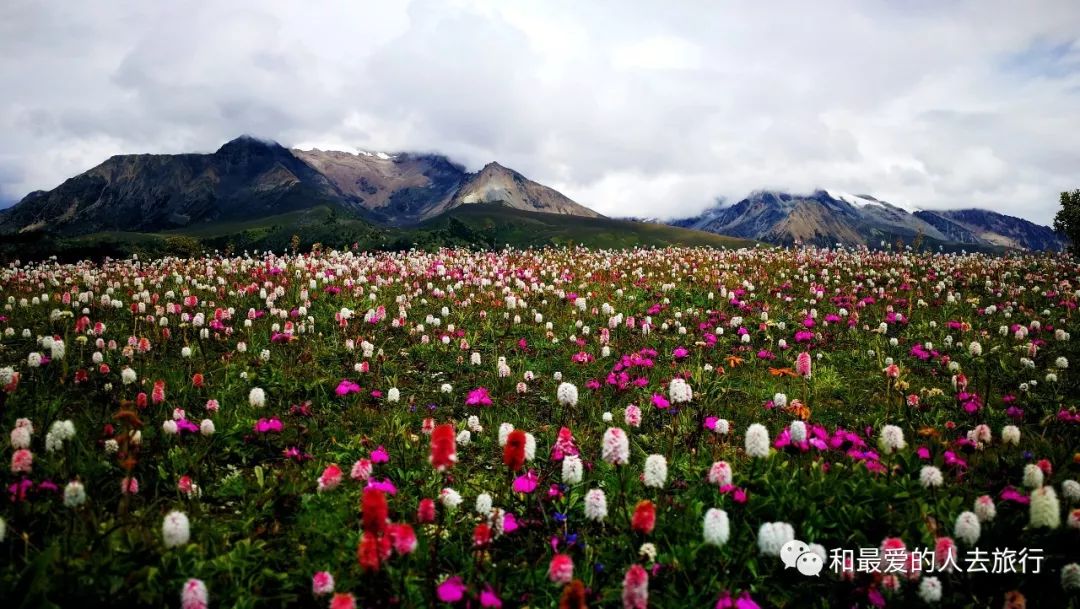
[
  {"x": 185, "y": 352},
  {"x": 892, "y": 439},
  {"x": 967, "y": 528},
  {"x": 616, "y": 446},
  {"x": 74, "y": 494},
  {"x": 3, "y": 528},
  {"x": 716, "y": 529},
  {"x": 975, "y": 349},
  {"x": 1044, "y": 511},
  {"x": 1033, "y": 476},
  {"x": 722, "y": 427},
  {"x": 1061, "y": 363},
  {"x": 797, "y": 430},
  {"x": 464, "y": 437},
  {"x": 607, "y": 417},
  {"x": 567, "y": 394},
  {"x": 483, "y": 504},
  {"x": 393, "y": 395},
  {"x": 206, "y": 427},
  {"x": 571, "y": 469},
  {"x": 530, "y": 447},
  {"x": 1070, "y": 489},
  {"x": 128, "y": 376},
  {"x": 504, "y": 431},
  {"x": 772, "y": 536},
  {"x": 679, "y": 391},
  {"x": 175, "y": 529},
  {"x": 757, "y": 441},
  {"x": 34, "y": 360},
  {"x": 170, "y": 427},
  {"x": 1070, "y": 575},
  {"x": 985, "y": 509},
  {"x": 1010, "y": 434},
  {"x": 595, "y": 505},
  {"x": 450, "y": 498},
  {"x": 111, "y": 446},
  {"x": 655, "y": 471},
  {"x": 257, "y": 397},
  {"x": 930, "y": 476},
  {"x": 779, "y": 400},
  {"x": 648, "y": 552},
  {"x": 20, "y": 438},
  {"x": 446, "y": 388},
  {"x": 930, "y": 590}
]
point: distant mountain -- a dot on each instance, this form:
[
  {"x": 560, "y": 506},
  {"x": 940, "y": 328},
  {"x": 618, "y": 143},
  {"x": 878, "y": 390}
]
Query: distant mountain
[
  {"x": 829, "y": 217},
  {"x": 251, "y": 178}
]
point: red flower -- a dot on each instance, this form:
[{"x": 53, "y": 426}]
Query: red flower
[
  {"x": 425, "y": 513},
  {"x": 373, "y": 508},
  {"x": 481, "y": 535},
  {"x": 367, "y": 553},
  {"x": 644, "y": 517},
  {"x": 514, "y": 451},
  {"x": 197, "y": 379},
  {"x": 158, "y": 395},
  {"x": 443, "y": 447},
  {"x": 140, "y": 400}
]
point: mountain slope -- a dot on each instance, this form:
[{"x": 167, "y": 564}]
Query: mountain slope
[
  {"x": 250, "y": 178},
  {"x": 830, "y": 217}
]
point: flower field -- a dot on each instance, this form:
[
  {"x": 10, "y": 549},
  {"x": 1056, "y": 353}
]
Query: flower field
[{"x": 542, "y": 428}]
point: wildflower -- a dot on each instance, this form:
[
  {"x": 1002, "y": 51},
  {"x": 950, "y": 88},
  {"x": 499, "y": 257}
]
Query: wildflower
[
  {"x": 803, "y": 365},
  {"x": 720, "y": 474},
  {"x": 635, "y": 594},
  {"x": 967, "y": 528},
  {"x": 1033, "y": 476},
  {"x": 478, "y": 397},
  {"x": 716, "y": 529},
  {"x": 530, "y": 447},
  {"x": 1044, "y": 510},
  {"x": 564, "y": 445},
  {"x": 797, "y": 431},
  {"x": 772, "y": 536},
  {"x": 451, "y": 590},
  {"x": 930, "y": 590},
  {"x": 632, "y": 416},
  {"x": 22, "y": 461},
  {"x": 572, "y": 469},
  {"x": 257, "y": 397},
  {"x": 206, "y": 427},
  {"x": 655, "y": 471},
  {"x": 595, "y": 505},
  {"x": 450, "y": 498},
  {"x": 425, "y": 511},
  {"x": 644, "y": 518},
  {"x": 561, "y": 569},
  {"x": 573, "y": 596},
  {"x": 525, "y": 483},
  {"x": 443, "y": 447},
  {"x": 1070, "y": 576},
  {"x": 194, "y": 595},
  {"x": 175, "y": 529},
  {"x": 343, "y": 600},
  {"x": 567, "y": 394},
  {"x": 891, "y": 439},
  {"x": 368, "y": 555},
  {"x": 679, "y": 391},
  {"x": 373, "y": 508},
  {"x": 514, "y": 450},
  {"x": 322, "y": 583},
  {"x": 1010, "y": 434},
  {"x": 930, "y": 476},
  {"x": 483, "y": 504},
  {"x": 330, "y": 478},
  {"x": 403, "y": 538},
  {"x": 985, "y": 510},
  {"x": 74, "y": 494},
  {"x": 361, "y": 470},
  {"x": 1070, "y": 490},
  {"x": 616, "y": 447},
  {"x": 504, "y": 432},
  {"x": 757, "y": 441}
]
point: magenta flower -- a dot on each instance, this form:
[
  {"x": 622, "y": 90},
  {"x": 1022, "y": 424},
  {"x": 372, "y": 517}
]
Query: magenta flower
[
  {"x": 660, "y": 401},
  {"x": 345, "y": 387},
  {"x": 680, "y": 353},
  {"x": 478, "y": 397},
  {"x": 525, "y": 483},
  {"x": 451, "y": 590},
  {"x": 509, "y": 523},
  {"x": 271, "y": 425},
  {"x": 379, "y": 455},
  {"x": 488, "y": 598},
  {"x": 384, "y": 485}
]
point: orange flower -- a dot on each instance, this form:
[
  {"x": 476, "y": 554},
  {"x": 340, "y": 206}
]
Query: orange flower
[
  {"x": 734, "y": 360},
  {"x": 798, "y": 409},
  {"x": 782, "y": 372},
  {"x": 928, "y": 432}
]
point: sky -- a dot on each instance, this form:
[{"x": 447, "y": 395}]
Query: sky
[{"x": 632, "y": 108}]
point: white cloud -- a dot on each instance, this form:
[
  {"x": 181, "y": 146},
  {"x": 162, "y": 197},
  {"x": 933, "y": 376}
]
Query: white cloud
[{"x": 634, "y": 108}]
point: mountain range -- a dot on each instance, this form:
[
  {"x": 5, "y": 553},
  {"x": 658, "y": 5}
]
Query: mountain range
[
  {"x": 249, "y": 184},
  {"x": 827, "y": 217}
]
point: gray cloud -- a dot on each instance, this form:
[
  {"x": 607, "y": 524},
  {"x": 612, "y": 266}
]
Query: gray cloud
[{"x": 626, "y": 107}]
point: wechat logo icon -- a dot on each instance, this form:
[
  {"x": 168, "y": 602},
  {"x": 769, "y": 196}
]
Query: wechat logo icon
[{"x": 797, "y": 554}]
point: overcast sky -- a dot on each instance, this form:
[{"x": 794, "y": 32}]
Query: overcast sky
[{"x": 646, "y": 108}]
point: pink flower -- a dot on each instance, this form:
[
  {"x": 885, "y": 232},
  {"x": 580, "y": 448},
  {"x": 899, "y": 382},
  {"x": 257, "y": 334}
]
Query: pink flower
[
  {"x": 561, "y": 569},
  {"x": 509, "y": 523},
  {"x": 271, "y": 425},
  {"x": 564, "y": 445},
  {"x": 193, "y": 595},
  {"x": 22, "y": 461},
  {"x": 680, "y": 353},
  {"x": 803, "y": 365},
  {"x": 632, "y": 416},
  {"x": 451, "y": 590},
  {"x": 129, "y": 486},
  {"x": 478, "y": 397},
  {"x": 403, "y": 537},
  {"x": 322, "y": 583},
  {"x": 525, "y": 483},
  {"x": 660, "y": 401},
  {"x": 635, "y": 594},
  {"x": 330, "y": 478},
  {"x": 361, "y": 470}
]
